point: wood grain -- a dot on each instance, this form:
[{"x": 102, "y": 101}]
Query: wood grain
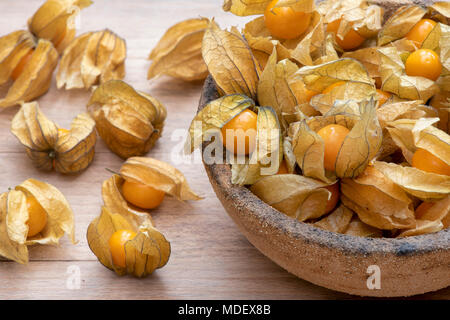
[{"x": 210, "y": 258}]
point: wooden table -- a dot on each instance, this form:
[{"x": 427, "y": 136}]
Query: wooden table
[{"x": 210, "y": 258}]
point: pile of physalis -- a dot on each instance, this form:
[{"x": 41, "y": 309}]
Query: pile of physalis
[
  {"x": 337, "y": 114},
  {"x": 123, "y": 237},
  {"x": 34, "y": 212}
]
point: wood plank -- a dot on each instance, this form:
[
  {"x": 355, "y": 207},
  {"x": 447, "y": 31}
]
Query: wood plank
[{"x": 210, "y": 257}]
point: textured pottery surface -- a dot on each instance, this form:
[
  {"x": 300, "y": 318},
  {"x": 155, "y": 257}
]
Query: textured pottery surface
[{"x": 408, "y": 266}]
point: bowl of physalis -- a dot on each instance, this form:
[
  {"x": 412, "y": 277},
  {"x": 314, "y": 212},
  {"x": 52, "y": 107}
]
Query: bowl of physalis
[{"x": 326, "y": 139}]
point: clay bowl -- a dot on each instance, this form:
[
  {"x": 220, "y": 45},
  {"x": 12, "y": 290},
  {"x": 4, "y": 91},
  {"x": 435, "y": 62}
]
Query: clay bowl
[{"x": 408, "y": 266}]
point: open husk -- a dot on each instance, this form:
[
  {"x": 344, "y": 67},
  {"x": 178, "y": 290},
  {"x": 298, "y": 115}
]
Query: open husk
[
  {"x": 14, "y": 216},
  {"x": 55, "y": 21},
  {"x": 130, "y": 122},
  {"x": 179, "y": 52},
  {"x": 36, "y": 76},
  {"x": 147, "y": 251},
  {"x": 92, "y": 59},
  {"x": 50, "y": 148}
]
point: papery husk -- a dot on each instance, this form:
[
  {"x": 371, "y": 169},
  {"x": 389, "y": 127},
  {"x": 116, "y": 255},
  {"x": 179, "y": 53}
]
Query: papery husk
[
  {"x": 440, "y": 11},
  {"x": 130, "y": 122},
  {"x": 439, "y": 211},
  {"x": 178, "y": 53},
  {"x": 158, "y": 175},
  {"x": 360, "y": 15},
  {"x": 400, "y": 23},
  {"x": 423, "y": 185},
  {"x": 91, "y": 59},
  {"x": 319, "y": 77},
  {"x": 36, "y": 76},
  {"x": 230, "y": 61},
  {"x": 55, "y": 21},
  {"x": 395, "y": 80},
  {"x": 252, "y": 7},
  {"x": 337, "y": 221},
  {"x": 422, "y": 227},
  {"x": 358, "y": 228},
  {"x": 441, "y": 102},
  {"x": 359, "y": 147},
  {"x": 60, "y": 215},
  {"x": 47, "y": 149},
  {"x": 10, "y": 249},
  {"x": 148, "y": 251},
  {"x": 266, "y": 159},
  {"x": 296, "y": 196},
  {"x": 288, "y": 155},
  {"x": 378, "y": 201},
  {"x": 370, "y": 59},
  {"x": 414, "y": 109},
  {"x": 214, "y": 116}
]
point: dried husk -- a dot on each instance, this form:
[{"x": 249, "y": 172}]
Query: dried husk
[
  {"x": 439, "y": 211},
  {"x": 395, "y": 80},
  {"x": 14, "y": 216},
  {"x": 252, "y": 7},
  {"x": 358, "y": 149},
  {"x": 266, "y": 159},
  {"x": 360, "y": 15},
  {"x": 296, "y": 196},
  {"x": 130, "y": 122},
  {"x": 423, "y": 185},
  {"x": 179, "y": 52},
  {"x": 370, "y": 59},
  {"x": 146, "y": 252},
  {"x": 414, "y": 109},
  {"x": 400, "y": 23},
  {"x": 158, "y": 175},
  {"x": 230, "y": 61},
  {"x": 36, "y": 75},
  {"x": 359, "y": 229},
  {"x": 214, "y": 116},
  {"x": 378, "y": 201},
  {"x": 337, "y": 221},
  {"x": 71, "y": 152},
  {"x": 422, "y": 227},
  {"x": 91, "y": 59},
  {"x": 288, "y": 155},
  {"x": 55, "y": 21},
  {"x": 441, "y": 102}
]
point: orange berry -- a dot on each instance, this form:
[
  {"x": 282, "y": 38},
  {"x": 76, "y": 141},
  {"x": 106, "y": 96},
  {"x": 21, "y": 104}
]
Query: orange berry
[
  {"x": 285, "y": 22},
  {"x": 335, "y": 195},
  {"x": 117, "y": 246},
  {"x": 423, "y": 63},
  {"x": 21, "y": 65},
  {"x": 242, "y": 129},
  {"x": 426, "y": 161},
  {"x": 351, "y": 40},
  {"x": 141, "y": 195},
  {"x": 383, "y": 96},
  {"x": 420, "y": 31},
  {"x": 333, "y": 136},
  {"x": 37, "y": 217},
  {"x": 332, "y": 86},
  {"x": 422, "y": 209}
]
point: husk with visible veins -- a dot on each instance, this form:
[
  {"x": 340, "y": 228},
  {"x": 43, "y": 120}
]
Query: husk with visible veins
[
  {"x": 214, "y": 116},
  {"x": 370, "y": 59},
  {"x": 230, "y": 61},
  {"x": 55, "y": 21},
  {"x": 439, "y": 211},
  {"x": 14, "y": 216},
  {"x": 423, "y": 185},
  {"x": 36, "y": 76},
  {"x": 130, "y": 122},
  {"x": 366, "y": 18},
  {"x": 178, "y": 53},
  {"x": 440, "y": 11},
  {"x": 395, "y": 80},
  {"x": 158, "y": 175},
  {"x": 378, "y": 201},
  {"x": 400, "y": 23},
  {"x": 296, "y": 196},
  {"x": 321, "y": 76},
  {"x": 252, "y": 7},
  {"x": 337, "y": 221},
  {"x": 414, "y": 109},
  {"x": 148, "y": 251},
  {"x": 47, "y": 149},
  {"x": 359, "y": 147},
  {"x": 92, "y": 59},
  {"x": 266, "y": 159},
  {"x": 359, "y": 229}
]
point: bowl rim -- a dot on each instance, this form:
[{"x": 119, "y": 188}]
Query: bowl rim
[{"x": 266, "y": 214}]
